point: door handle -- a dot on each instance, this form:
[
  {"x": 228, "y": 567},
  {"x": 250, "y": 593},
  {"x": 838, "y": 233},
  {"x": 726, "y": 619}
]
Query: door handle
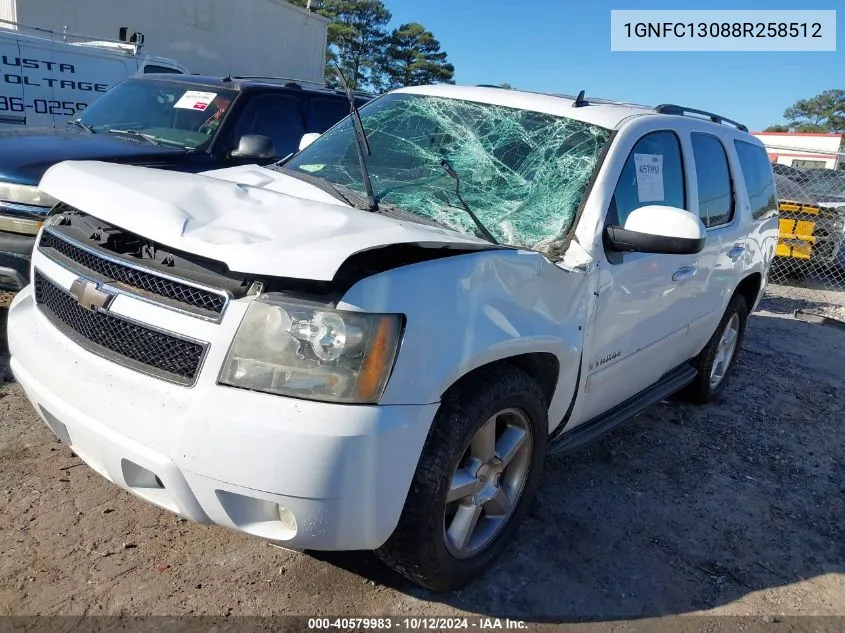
[
  {"x": 686, "y": 272},
  {"x": 735, "y": 252}
]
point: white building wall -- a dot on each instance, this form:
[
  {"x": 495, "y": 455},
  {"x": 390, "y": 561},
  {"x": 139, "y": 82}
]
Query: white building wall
[
  {"x": 250, "y": 37},
  {"x": 796, "y": 149}
]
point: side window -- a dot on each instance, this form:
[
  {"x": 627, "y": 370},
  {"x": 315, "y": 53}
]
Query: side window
[
  {"x": 715, "y": 192},
  {"x": 653, "y": 174},
  {"x": 327, "y": 112},
  {"x": 757, "y": 173},
  {"x": 276, "y": 116},
  {"x": 152, "y": 68}
]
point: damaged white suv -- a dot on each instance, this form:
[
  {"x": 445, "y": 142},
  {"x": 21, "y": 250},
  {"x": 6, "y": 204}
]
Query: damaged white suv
[{"x": 375, "y": 344}]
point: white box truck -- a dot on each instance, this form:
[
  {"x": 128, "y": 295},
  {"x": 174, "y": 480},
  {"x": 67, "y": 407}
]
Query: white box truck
[{"x": 48, "y": 77}]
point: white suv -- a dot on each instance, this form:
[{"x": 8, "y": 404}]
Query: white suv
[{"x": 375, "y": 344}]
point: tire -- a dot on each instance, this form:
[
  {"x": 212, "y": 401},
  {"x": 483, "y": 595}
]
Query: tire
[
  {"x": 418, "y": 547},
  {"x": 703, "y": 390}
]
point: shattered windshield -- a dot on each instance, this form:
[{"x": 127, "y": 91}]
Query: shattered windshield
[{"x": 523, "y": 173}]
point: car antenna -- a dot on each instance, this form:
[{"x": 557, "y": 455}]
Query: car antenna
[
  {"x": 228, "y": 78},
  {"x": 579, "y": 100}
]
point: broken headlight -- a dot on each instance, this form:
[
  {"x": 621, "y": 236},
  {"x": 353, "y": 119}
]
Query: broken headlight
[{"x": 299, "y": 349}]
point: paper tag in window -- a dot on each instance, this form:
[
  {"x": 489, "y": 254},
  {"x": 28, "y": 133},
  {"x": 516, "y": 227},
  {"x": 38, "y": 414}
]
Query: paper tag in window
[
  {"x": 649, "y": 177},
  {"x": 195, "y": 100}
]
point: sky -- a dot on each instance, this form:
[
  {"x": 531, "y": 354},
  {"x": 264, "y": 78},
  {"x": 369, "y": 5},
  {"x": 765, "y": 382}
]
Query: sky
[{"x": 563, "y": 46}]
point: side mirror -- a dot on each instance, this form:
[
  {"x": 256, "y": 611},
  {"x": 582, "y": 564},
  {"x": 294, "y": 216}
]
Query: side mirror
[
  {"x": 307, "y": 139},
  {"x": 659, "y": 229},
  {"x": 254, "y": 146}
]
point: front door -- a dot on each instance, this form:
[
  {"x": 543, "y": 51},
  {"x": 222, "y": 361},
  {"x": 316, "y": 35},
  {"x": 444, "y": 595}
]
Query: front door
[{"x": 644, "y": 305}]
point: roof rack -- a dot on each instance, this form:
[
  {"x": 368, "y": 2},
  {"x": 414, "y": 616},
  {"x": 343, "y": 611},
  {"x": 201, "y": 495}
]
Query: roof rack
[
  {"x": 68, "y": 37},
  {"x": 289, "y": 82},
  {"x": 285, "y": 80},
  {"x": 583, "y": 100},
  {"x": 669, "y": 108}
]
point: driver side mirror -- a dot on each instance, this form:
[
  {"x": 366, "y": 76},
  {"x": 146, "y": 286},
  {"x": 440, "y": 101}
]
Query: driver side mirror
[
  {"x": 658, "y": 229},
  {"x": 254, "y": 146},
  {"x": 307, "y": 139}
]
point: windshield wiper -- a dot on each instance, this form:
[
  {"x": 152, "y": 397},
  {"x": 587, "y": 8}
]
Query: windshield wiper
[
  {"x": 136, "y": 134},
  {"x": 348, "y": 196},
  {"x": 481, "y": 228},
  {"x": 362, "y": 144},
  {"x": 79, "y": 123}
]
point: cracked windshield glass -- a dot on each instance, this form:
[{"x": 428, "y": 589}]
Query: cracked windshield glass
[{"x": 522, "y": 173}]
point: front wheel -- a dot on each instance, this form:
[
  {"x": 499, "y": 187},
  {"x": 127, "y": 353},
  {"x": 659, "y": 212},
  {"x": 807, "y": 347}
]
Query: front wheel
[{"x": 477, "y": 473}]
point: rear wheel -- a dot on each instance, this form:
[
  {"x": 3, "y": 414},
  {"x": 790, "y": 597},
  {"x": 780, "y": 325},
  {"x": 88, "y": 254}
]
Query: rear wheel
[
  {"x": 716, "y": 360},
  {"x": 478, "y": 470}
]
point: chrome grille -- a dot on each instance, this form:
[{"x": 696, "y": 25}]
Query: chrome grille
[
  {"x": 192, "y": 298},
  {"x": 119, "y": 339}
]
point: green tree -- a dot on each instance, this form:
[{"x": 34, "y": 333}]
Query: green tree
[
  {"x": 777, "y": 128},
  {"x": 506, "y": 86},
  {"x": 823, "y": 113},
  {"x": 413, "y": 57},
  {"x": 356, "y": 37}
]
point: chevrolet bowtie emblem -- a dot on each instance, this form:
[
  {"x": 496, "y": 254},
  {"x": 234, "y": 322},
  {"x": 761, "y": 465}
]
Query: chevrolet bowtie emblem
[{"x": 89, "y": 296}]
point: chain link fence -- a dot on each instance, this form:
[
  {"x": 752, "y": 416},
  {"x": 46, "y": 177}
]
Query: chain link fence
[{"x": 809, "y": 265}]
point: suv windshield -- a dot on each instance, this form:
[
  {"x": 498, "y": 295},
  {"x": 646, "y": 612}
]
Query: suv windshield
[
  {"x": 523, "y": 173},
  {"x": 168, "y": 113}
]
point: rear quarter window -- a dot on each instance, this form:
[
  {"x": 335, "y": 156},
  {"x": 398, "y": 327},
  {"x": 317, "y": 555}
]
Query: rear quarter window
[
  {"x": 758, "y": 176},
  {"x": 152, "y": 68}
]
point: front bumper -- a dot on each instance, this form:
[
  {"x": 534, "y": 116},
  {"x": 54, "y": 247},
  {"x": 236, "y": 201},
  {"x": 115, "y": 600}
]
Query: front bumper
[
  {"x": 15, "y": 248},
  {"x": 221, "y": 455}
]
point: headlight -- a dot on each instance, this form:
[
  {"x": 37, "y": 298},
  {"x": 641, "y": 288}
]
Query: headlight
[
  {"x": 299, "y": 349},
  {"x": 25, "y": 194}
]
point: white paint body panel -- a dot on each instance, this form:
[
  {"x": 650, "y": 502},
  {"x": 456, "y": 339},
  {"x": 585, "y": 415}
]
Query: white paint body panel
[{"x": 614, "y": 329}]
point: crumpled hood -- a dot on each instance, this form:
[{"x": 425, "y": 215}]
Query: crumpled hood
[{"x": 241, "y": 216}]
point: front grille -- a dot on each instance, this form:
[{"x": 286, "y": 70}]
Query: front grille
[
  {"x": 176, "y": 293},
  {"x": 118, "y": 339}
]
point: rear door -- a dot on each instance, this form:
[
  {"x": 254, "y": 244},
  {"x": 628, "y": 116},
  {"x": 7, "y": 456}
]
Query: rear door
[
  {"x": 12, "y": 107},
  {"x": 41, "y": 80},
  {"x": 62, "y": 80},
  {"x": 719, "y": 266}
]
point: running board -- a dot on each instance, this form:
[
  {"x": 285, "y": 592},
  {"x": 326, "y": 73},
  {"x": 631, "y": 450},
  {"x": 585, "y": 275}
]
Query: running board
[{"x": 586, "y": 433}]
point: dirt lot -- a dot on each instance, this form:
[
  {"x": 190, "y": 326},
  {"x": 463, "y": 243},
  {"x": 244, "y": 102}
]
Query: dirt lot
[{"x": 734, "y": 508}]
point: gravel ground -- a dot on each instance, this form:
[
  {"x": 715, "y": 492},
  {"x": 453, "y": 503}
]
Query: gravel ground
[
  {"x": 733, "y": 508},
  {"x": 826, "y": 303}
]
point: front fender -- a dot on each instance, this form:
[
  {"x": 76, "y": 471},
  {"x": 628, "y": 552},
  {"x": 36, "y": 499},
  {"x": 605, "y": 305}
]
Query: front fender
[{"x": 470, "y": 310}]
